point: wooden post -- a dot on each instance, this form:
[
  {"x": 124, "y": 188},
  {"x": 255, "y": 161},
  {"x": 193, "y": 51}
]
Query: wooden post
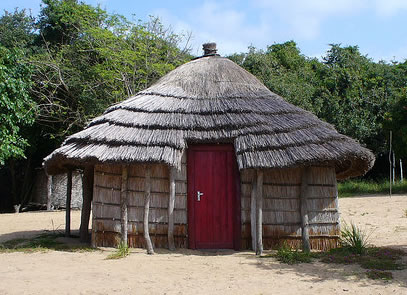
[
  {"x": 150, "y": 249},
  {"x": 253, "y": 211},
  {"x": 49, "y": 192},
  {"x": 391, "y": 135},
  {"x": 394, "y": 167},
  {"x": 259, "y": 222},
  {"x": 303, "y": 208},
  {"x": 123, "y": 205},
  {"x": 171, "y": 204},
  {"x": 87, "y": 195},
  {"x": 68, "y": 204}
]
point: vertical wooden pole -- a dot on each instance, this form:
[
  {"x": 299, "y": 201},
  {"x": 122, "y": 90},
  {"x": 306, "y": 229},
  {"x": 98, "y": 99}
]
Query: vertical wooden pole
[
  {"x": 304, "y": 211},
  {"x": 171, "y": 204},
  {"x": 150, "y": 249},
  {"x": 49, "y": 192},
  {"x": 87, "y": 195},
  {"x": 253, "y": 211},
  {"x": 68, "y": 204},
  {"x": 394, "y": 167},
  {"x": 259, "y": 222},
  {"x": 123, "y": 205},
  {"x": 390, "y": 148}
]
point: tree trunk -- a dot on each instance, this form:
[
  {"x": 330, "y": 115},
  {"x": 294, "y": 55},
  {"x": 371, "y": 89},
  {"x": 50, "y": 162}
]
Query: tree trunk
[
  {"x": 87, "y": 195},
  {"x": 149, "y": 245},
  {"x": 171, "y": 203},
  {"x": 68, "y": 204}
]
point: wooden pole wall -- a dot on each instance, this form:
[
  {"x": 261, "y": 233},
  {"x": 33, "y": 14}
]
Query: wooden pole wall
[
  {"x": 171, "y": 204},
  {"x": 303, "y": 207},
  {"x": 123, "y": 205},
  {"x": 259, "y": 221},
  {"x": 150, "y": 249},
  {"x": 87, "y": 195},
  {"x": 68, "y": 204},
  {"x": 253, "y": 212}
]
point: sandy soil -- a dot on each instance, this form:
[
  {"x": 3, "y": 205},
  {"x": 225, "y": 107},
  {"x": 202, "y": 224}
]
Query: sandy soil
[{"x": 198, "y": 272}]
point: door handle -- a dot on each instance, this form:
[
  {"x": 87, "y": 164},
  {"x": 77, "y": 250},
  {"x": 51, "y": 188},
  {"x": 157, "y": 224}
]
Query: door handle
[{"x": 199, "y": 194}]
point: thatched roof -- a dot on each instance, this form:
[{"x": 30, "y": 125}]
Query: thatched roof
[{"x": 210, "y": 100}]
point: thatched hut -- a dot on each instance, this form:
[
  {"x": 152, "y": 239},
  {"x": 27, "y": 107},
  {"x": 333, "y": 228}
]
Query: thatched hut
[{"x": 208, "y": 157}]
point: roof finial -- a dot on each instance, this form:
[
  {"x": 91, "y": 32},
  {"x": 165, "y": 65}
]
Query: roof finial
[{"x": 209, "y": 48}]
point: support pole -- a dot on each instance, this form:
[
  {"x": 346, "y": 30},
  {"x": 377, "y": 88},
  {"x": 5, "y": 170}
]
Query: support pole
[
  {"x": 171, "y": 204},
  {"x": 304, "y": 211},
  {"x": 391, "y": 135},
  {"x": 68, "y": 204},
  {"x": 394, "y": 167},
  {"x": 259, "y": 222},
  {"x": 87, "y": 195},
  {"x": 401, "y": 171},
  {"x": 123, "y": 206},
  {"x": 253, "y": 211},
  {"x": 150, "y": 249},
  {"x": 49, "y": 192}
]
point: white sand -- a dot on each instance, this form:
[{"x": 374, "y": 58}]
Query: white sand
[{"x": 197, "y": 272}]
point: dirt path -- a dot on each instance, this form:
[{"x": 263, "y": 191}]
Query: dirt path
[{"x": 197, "y": 272}]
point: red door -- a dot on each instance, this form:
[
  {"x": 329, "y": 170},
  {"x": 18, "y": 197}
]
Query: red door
[{"x": 213, "y": 213}]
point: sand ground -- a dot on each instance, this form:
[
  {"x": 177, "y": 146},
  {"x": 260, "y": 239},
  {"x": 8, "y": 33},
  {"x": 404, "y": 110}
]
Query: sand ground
[{"x": 197, "y": 272}]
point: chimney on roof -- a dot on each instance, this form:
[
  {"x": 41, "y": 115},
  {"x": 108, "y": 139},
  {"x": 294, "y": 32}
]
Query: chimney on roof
[{"x": 209, "y": 49}]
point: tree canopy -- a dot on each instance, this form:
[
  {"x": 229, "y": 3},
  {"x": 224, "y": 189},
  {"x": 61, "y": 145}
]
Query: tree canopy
[{"x": 66, "y": 65}]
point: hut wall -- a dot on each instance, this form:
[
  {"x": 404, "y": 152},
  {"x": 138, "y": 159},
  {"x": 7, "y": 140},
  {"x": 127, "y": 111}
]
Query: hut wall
[
  {"x": 281, "y": 208},
  {"x": 106, "y": 205},
  {"x": 58, "y": 196}
]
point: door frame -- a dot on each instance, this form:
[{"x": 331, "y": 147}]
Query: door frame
[{"x": 236, "y": 210}]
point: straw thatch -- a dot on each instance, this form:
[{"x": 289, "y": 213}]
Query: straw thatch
[{"x": 210, "y": 99}]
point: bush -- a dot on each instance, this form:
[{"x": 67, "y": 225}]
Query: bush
[{"x": 353, "y": 238}]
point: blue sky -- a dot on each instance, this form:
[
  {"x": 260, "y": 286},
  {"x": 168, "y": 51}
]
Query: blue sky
[{"x": 378, "y": 27}]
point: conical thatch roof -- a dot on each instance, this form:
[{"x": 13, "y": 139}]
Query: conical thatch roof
[{"x": 208, "y": 100}]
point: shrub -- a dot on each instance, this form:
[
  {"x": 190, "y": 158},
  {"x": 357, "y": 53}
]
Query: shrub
[{"x": 353, "y": 238}]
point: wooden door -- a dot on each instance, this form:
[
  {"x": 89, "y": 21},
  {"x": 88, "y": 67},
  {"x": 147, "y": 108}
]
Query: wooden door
[{"x": 213, "y": 197}]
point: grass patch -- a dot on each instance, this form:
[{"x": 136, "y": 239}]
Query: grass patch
[
  {"x": 41, "y": 243},
  {"x": 289, "y": 256},
  {"x": 351, "y": 188},
  {"x": 379, "y": 275},
  {"x": 121, "y": 252}
]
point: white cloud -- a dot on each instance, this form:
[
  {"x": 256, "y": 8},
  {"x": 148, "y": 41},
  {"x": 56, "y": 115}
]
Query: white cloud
[
  {"x": 214, "y": 22},
  {"x": 304, "y": 19}
]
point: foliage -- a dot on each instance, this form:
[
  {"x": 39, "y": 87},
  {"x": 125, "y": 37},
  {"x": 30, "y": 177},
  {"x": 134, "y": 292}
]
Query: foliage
[
  {"x": 350, "y": 188},
  {"x": 346, "y": 89},
  {"x": 78, "y": 60},
  {"x": 354, "y": 238},
  {"x": 17, "y": 29},
  {"x": 289, "y": 256},
  {"x": 122, "y": 251},
  {"x": 16, "y": 107},
  {"x": 41, "y": 243}
]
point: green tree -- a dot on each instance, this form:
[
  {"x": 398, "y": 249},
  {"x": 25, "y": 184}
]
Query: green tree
[{"x": 17, "y": 109}]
